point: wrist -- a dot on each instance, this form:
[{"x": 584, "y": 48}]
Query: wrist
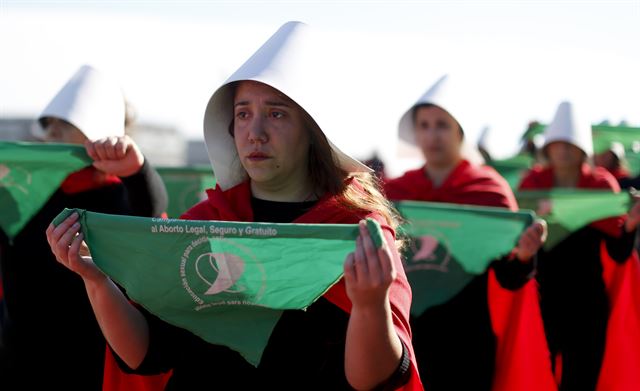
[
  {"x": 628, "y": 227},
  {"x": 372, "y": 310},
  {"x": 139, "y": 166},
  {"x": 96, "y": 283},
  {"x": 524, "y": 258}
]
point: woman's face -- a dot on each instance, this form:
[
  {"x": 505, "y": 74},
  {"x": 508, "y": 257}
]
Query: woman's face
[
  {"x": 270, "y": 135},
  {"x": 564, "y": 155},
  {"x": 59, "y": 131},
  {"x": 438, "y": 135}
]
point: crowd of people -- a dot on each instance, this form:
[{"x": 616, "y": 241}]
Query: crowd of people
[{"x": 274, "y": 159}]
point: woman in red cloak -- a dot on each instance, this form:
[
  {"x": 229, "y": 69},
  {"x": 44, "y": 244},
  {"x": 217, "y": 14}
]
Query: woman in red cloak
[{"x": 275, "y": 161}]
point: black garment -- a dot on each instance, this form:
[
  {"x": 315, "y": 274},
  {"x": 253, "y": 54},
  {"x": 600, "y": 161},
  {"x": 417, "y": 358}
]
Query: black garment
[
  {"x": 574, "y": 303},
  {"x": 305, "y": 350},
  {"x": 307, "y": 347},
  {"x": 278, "y": 212},
  {"x": 454, "y": 342},
  {"x": 51, "y": 335},
  {"x": 629, "y": 182}
]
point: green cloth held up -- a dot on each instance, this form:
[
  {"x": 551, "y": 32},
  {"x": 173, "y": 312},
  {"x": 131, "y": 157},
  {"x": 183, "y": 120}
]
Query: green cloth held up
[
  {"x": 227, "y": 282},
  {"x": 450, "y": 244},
  {"x": 512, "y": 169},
  {"x": 29, "y": 175},
  {"x": 567, "y": 210},
  {"x": 186, "y": 186}
]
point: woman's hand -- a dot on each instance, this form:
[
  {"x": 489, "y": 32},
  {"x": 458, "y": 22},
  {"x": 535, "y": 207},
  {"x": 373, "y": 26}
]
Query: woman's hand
[
  {"x": 124, "y": 327},
  {"x": 66, "y": 244},
  {"x": 373, "y": 349},
  {"x": 118, "y": 156},
  {"x": 531, "y": 240},
  {"x": 369, "y": 272}
]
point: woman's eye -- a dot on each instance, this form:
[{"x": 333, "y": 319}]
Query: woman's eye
[
  {"x": 442, "y": 125},
  {"x": 241, "y": 114},
  {"x": 277, "y": 114}
]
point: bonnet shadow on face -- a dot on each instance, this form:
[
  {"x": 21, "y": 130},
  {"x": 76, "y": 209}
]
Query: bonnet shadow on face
[
  {"x": 270, "y": 136},
  {"x": 324, "y": 170},
  {"x": 562, "y": 153},
  {"x": 437, "y": 133},
  {"x": 57, "y": 130}
]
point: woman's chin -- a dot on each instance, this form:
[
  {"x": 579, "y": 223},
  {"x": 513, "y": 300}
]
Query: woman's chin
[{"x": 260, "y": 176}]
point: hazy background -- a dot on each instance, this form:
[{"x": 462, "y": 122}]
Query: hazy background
[{"x": 519, "y": 58}]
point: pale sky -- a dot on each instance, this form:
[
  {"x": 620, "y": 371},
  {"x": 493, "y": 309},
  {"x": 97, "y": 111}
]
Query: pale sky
[{"x": 519, "y": 59}]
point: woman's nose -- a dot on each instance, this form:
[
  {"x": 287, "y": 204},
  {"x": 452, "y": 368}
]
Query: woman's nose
[{"x": 257, "y": 132}]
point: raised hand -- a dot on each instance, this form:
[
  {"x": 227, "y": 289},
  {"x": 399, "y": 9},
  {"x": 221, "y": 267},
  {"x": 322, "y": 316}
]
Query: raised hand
[
  {"x": 531, "y": 240},
  {"x": 118, "y": 156}
]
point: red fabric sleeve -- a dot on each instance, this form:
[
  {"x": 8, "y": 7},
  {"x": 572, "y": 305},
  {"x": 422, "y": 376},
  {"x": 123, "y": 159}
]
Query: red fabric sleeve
[
  {"x": 600, "y": 179},
  {"x": 501, "y": 194},
  {"x": 522, "y": 358},
  {"x": 406, "y": 187},
  {"x": 621, "y": 360},
  {"x": 117, "y": 380},
  {"x": 537, "y": 178}
]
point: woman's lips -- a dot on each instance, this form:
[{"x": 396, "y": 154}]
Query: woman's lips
[{"x": 258, "y": 156}]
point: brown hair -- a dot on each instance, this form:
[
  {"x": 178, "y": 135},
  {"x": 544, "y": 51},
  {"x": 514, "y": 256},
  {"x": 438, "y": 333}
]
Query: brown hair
[{"x": 329, "y": 177}]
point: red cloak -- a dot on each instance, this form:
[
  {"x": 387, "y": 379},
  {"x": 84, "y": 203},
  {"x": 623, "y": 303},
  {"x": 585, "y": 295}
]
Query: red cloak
[
  {"x": 522, "y": 357},
  {"x": 467, "y": 184},
  {"x": 541, "y": 178},
  {"x": 621, "y": 362},
  {"x": 88, "y": 178}
]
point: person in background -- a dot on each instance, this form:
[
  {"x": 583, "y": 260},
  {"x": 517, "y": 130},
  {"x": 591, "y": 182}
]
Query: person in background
[
  {"x": 50, "y": 334},
  {"x": 613, "y": 160},
  {"x": 574, "y": 302},
  {"x": 456, "y": 345}
]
